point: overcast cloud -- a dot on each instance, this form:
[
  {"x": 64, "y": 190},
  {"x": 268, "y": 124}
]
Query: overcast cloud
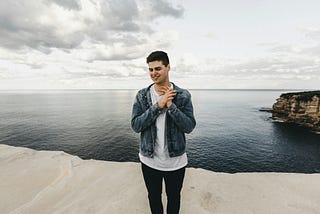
[{"x": 103, "y": 43}]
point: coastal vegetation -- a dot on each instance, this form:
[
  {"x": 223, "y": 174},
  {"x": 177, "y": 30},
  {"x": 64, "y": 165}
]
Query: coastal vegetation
[{"x": 301, "y": 96}]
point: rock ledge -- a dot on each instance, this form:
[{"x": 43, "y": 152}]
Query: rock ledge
[
  {"x": 56, "y": 182},
  {"x": 301, "y": 108}
]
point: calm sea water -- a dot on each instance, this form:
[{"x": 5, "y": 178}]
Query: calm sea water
[{"x": 231, "y": 135}]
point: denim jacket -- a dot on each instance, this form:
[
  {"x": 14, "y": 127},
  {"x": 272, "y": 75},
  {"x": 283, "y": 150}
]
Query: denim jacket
[{"x": 179, "y": 120}]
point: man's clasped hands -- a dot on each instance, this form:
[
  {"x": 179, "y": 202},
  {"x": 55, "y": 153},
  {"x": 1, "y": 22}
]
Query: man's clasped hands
[{"x": 167, "y": 94}]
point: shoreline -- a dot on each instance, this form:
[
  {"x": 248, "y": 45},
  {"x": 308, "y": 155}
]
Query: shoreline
[{"x": 54, "y": 181}]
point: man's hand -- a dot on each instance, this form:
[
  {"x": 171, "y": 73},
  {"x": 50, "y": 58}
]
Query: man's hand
[
  {"x": 167, "y": 97},
  {"x": 172, "y": 94}
]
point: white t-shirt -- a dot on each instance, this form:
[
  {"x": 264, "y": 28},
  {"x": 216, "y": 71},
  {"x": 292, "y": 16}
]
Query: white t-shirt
[{"x": 161, "y": 159}]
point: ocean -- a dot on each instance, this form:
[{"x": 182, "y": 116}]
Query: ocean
[{"x": 231, "y": 135}]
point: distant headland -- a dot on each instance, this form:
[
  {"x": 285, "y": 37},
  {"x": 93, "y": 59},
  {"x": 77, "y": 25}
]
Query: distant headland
[{"x": 302, "y": 108}]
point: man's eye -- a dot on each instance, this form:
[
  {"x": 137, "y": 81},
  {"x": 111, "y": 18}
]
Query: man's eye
[{"x": 157, "y": 69}]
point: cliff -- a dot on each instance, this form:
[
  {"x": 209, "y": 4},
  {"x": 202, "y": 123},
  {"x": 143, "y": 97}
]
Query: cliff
[
  {"x": 301, "y": 108},
  {"x": 56, "y": 182}
]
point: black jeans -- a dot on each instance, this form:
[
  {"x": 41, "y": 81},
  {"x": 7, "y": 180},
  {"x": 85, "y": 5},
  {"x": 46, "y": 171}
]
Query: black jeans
[{"x": 173, "y": 182}]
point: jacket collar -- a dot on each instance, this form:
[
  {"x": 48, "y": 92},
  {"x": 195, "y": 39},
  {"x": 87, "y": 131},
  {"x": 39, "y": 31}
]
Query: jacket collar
[
  {"x": 146, "y": 95},
  {"x": 178, "y": 90}
]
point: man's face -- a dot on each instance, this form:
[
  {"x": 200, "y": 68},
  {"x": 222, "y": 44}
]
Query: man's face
[{"x": 158, "y": 72}]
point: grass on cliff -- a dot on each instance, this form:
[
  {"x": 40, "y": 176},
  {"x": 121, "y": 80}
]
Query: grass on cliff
[{"x": 302, "y": 96}]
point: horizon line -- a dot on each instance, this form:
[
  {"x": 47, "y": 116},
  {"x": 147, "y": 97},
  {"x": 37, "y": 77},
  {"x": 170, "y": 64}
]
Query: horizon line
[{"x": 204, "y": 89}]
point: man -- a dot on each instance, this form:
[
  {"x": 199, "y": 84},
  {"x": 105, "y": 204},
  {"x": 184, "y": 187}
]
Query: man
[{"x": 162, "y": 113}]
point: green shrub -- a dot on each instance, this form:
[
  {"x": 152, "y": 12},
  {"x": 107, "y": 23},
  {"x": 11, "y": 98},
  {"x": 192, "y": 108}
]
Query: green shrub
[{"x": 301, "y": 96}]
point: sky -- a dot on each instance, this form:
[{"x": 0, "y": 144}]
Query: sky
[{"x": 103, "y": 44}]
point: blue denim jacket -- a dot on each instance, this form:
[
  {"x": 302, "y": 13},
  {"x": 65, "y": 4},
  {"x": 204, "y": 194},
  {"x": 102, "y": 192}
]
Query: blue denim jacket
[{"x": 179, "y": 120}]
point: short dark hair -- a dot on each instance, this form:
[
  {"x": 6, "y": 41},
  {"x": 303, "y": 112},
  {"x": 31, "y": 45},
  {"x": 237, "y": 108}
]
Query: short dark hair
[{"x": 159, "y": 56}]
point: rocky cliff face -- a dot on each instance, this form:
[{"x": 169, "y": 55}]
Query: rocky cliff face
[{"x": 302, "y": 108}]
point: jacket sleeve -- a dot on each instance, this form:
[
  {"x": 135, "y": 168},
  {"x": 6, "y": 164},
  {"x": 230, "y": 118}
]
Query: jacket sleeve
[
  {"x": 184, "y": 117},
  {"x": 140, "y": 119}
]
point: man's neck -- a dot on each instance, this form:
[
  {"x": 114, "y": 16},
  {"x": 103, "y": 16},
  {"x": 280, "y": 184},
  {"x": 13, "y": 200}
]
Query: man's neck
[
  {"x": 158, "y": 86},
  {"x": 167, "y": 84}
]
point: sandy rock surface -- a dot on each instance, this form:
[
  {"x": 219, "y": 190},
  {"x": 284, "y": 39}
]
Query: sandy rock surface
[{"x": 56, "y": 182}]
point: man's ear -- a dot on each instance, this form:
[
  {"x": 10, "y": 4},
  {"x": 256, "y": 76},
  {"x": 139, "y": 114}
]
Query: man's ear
[{"x": 168, "y": 66}]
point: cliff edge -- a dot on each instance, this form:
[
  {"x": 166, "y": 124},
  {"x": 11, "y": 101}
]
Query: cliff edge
[
  {"x": 301, "y": 108},
  {"x": 55, "y": 182}
]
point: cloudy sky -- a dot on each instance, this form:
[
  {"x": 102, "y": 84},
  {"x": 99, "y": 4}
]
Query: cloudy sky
[{"x": 102, "y": 44}]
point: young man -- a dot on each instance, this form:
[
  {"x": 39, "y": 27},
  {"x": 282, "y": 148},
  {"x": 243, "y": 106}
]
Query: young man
[{"x": 162, "y": 113}]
